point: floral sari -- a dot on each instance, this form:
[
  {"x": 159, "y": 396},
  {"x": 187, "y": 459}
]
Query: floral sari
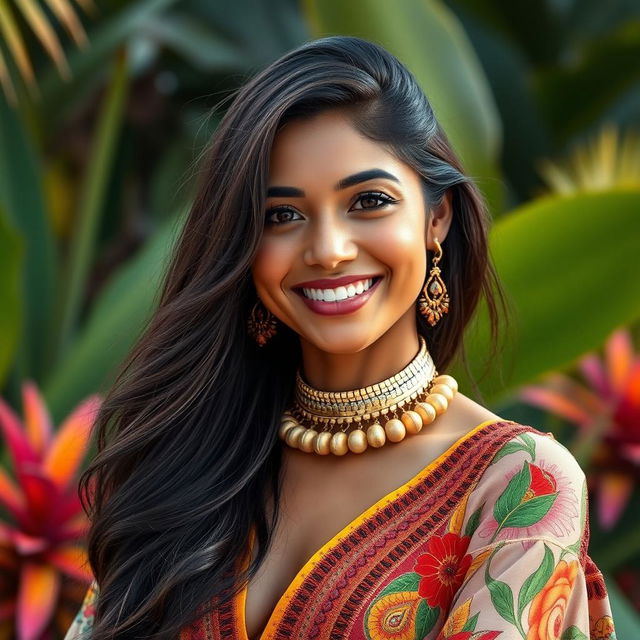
[{"x": 488, "y": 541}]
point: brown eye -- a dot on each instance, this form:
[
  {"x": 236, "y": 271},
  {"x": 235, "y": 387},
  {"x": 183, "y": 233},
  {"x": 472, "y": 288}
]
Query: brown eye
[
  {"x": 273, "y": 216},
  {"x": 374, "y": 200}
]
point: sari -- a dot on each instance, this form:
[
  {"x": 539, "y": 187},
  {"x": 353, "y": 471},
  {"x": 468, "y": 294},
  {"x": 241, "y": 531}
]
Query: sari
[{"x": 489, "y": 540}]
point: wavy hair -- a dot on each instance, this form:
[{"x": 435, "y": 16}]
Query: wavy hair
[{"x": 187, "y": 446}]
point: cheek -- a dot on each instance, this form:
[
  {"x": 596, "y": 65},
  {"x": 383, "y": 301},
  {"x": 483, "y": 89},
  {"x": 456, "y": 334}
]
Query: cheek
[
  {"x": 403, "y": 251},
  {"x": 270, "y": 265}
]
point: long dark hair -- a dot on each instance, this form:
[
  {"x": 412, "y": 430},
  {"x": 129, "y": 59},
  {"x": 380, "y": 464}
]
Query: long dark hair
[{"x": 187, "y": 436}]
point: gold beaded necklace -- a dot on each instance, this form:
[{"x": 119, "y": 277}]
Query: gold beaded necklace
[{"x": 340, "y": 421}]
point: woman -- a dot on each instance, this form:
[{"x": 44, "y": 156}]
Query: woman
[{"x": 286, "y": 458}]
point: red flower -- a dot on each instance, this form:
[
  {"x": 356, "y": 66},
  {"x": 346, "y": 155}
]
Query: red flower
[{"x": 443, "y": 567}]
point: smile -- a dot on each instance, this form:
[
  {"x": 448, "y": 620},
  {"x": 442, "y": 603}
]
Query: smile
[
  {"x": 339, "y": 300},
  {"x": 339, "y": 293}
]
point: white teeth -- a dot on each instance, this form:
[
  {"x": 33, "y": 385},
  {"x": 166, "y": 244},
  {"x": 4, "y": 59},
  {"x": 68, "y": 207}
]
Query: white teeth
[
  {"x": 330, "y": 295},
  {"x": 339, "y": 293}
]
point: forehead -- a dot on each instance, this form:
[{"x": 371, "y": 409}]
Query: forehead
[{"x": 325, "y": 148}]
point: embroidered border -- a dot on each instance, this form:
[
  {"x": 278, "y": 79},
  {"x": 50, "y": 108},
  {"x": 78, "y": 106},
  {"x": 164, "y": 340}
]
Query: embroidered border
[{"x": 326, "y": 584}]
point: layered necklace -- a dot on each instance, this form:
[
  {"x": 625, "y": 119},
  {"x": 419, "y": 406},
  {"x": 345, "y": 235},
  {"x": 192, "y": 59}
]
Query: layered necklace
[{"x": 337, "y": 422}]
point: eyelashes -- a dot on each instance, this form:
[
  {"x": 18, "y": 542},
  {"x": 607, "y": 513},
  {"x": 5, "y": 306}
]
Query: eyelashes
[{"x": 368, "y": 195}]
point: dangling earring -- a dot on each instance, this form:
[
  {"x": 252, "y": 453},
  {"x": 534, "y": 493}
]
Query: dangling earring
[
  {"x": 434, "y": 308},
  {"x": 262, "y": 324}
]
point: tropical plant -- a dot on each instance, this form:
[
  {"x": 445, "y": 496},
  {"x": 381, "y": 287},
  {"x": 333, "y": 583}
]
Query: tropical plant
[
  {"x": 41, "y": 546},
  {"x": 37, "y": 20},
  {"x": 609, "y": 161}
]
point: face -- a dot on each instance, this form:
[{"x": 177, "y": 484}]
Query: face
[{"x": 343, "y": 255}]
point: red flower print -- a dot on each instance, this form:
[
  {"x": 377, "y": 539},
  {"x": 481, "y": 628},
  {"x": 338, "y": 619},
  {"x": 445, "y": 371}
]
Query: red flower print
[
  {"x": 542, "y": 483},
  {"x": 559, "y": 517},
  {"x": 443, "y": 568}
]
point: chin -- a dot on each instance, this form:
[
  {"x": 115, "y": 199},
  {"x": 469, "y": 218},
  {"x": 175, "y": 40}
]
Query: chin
[{"x": 341, "y": 344}]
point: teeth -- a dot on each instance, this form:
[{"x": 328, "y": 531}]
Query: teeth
[{"x": 339, "y": 293}]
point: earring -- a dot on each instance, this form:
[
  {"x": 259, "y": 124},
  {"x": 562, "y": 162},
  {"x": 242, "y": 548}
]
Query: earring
[
  {"x": 434, "y": 308},
  {"x": 262, "y": 324}
]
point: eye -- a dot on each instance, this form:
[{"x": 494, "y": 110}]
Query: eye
[
  {"x": 274, "y": 211},
  {"x": 371, "y": 197}
]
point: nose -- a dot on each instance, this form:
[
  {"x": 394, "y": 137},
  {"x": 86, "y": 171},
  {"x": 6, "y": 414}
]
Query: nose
[{"x": 330, "y": 243}]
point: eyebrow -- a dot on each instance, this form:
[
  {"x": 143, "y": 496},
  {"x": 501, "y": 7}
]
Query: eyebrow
[{"x": 349, "y": 181}]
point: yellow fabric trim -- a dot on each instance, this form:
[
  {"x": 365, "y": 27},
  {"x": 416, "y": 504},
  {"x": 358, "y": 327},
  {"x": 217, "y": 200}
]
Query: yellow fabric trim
[
  {"x": 281, "y": 605},
  {"x": 240, "y": 613}
]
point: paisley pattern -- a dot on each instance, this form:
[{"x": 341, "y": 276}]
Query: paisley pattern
[{"x": 488, "y": 541}]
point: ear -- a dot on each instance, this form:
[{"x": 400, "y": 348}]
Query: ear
[{"x": 439, "y": 221}]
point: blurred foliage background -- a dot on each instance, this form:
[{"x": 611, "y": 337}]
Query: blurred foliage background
[{"x": 104, "y": 108}]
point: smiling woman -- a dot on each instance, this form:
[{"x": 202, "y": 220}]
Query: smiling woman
[{"x": 282, "y": 455}]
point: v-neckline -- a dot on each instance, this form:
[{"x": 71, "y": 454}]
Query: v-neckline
[{"x": 240, "y": 599}]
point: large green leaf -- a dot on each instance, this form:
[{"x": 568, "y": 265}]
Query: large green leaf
[
  {"x": 91, "y": 203},
  {"x": 23, "y": 203},
  {"x": 88, "y": 65},
  {"x": 565, "y": 262},
  {"x": 11, "y": 252},
  {"x": 113, "y": 325},
  {"x": 566, "y": 92},
  {"x": 427, "y": 37},
  {"x": 508, "y": 71}
]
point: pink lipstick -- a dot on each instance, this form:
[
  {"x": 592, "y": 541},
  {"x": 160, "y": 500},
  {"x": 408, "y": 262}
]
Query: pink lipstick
[{"x": 339, "y": 307}]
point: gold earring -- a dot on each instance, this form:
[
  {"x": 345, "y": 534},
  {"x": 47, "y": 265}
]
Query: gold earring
[
  {"x": 434, "y": 308},
  {"x": 262, "y": 324}
]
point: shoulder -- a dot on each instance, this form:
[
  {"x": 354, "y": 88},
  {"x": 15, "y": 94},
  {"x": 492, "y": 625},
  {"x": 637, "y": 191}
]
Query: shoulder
[{"x": 533, "y": 487}]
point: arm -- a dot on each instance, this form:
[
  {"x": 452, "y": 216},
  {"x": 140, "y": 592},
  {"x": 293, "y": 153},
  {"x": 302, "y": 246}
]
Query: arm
[{"x": 530, "y": 577}]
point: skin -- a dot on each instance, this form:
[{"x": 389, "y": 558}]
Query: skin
[{"x": 333, "y": 233}]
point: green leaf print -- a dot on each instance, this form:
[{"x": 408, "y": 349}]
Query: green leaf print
[
  {"x": 510, "y": 447},
  {"x": 530, "y": 445},
  {"x": 527, "y": 444},
  {"x": 573, "y": 633},
  {"x": 405, "y": 582},
  {"x": 529, "y": 512},
  {"x": 426, "y": 618},
  {"x": 512, "y": 496},
  {"x": 501, "y": 595},
  {"x": 474, "y": 521},
  {"x": 536, "y": 581},
  {"x": 470, "y": 624}
]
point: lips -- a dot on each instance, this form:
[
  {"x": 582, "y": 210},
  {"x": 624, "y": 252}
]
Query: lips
[{"x": 340, "y": 307}]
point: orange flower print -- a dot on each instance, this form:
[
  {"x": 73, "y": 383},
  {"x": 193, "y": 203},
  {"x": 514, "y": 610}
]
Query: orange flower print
[
  {"x": 394, "y": 616},
  {"x": 549, "y": 606},
  {"x": 443, "y": 568}
]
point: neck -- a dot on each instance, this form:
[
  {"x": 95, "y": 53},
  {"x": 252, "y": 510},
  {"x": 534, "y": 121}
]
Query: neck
[{"x": 380, "y": 360}]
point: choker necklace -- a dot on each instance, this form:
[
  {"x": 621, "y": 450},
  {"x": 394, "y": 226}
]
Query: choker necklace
[{"x": 340, "y": 421}]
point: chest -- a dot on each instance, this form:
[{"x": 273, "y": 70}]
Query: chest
[
  {"x": 319, "y": 502},
  {"x": 316, "y": 583}
]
